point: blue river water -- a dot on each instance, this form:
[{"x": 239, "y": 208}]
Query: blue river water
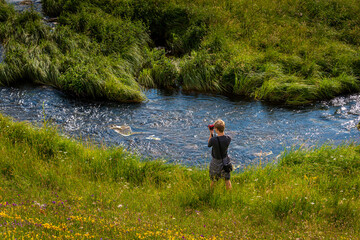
[{"x": 173, "y": 125}]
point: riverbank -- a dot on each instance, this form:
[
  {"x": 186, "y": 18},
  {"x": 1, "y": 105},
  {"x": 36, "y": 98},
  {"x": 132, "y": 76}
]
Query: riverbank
[
  {"x": 55, "y": 187},
  {"x": 286, "y": 52}
]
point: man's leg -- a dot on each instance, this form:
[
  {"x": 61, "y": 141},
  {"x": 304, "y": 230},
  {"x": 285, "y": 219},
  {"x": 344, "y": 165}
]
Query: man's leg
[
  {"x": 228, "y": 184},
  {"x": 212, "y": 185}
]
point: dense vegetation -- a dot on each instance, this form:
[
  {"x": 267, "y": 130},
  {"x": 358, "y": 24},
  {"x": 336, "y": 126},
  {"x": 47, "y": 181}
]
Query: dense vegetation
[
  {"x": 285, "y": 51},
  {"x": 54, "y": 187},
  {"x": 71, "y": 61}
]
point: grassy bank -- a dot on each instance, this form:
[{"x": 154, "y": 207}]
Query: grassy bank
[
  {"x": 54, "y": 187},
  {"x": 289, "y": 51},
  {"x": 71, "y": 61}
]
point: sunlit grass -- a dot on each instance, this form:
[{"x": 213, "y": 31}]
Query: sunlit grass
[
  {"x": 52, "y": 186},
  {"x": 70, "y": 61}
]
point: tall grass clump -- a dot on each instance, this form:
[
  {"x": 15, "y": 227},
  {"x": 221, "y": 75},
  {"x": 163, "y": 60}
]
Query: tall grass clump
[
  {"x": 200, "y": 72},
  {"x": 160, "y": 71}
]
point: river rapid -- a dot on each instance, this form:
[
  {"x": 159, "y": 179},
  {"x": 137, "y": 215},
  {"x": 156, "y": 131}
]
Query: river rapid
[{"x": 173, "y": 125}]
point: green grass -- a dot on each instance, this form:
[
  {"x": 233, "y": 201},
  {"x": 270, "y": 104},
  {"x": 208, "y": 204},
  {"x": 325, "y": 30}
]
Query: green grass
[
  {"x": 70, "y": 61},
  {"x": 55, "y": 187},
  {"x": 289, "y": 52}
]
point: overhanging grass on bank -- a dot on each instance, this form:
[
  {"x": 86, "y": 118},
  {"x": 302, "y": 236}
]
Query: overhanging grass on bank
[
  {"x": 52, "y": 186},
  {"x": 69, "y": 61},
  {"x": 292, "y": 52}
]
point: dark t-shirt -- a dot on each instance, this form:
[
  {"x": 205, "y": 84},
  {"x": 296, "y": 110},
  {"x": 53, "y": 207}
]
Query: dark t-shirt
[{"x": 224, "y": 142}]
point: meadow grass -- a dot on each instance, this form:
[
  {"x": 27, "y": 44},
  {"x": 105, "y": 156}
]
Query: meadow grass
[
  {"x": 52, "y": 186},
  {"x": 285, "y": 51}
]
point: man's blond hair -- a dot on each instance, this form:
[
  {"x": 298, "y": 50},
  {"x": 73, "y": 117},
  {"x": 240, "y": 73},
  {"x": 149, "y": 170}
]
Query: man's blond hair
[{"x": 220, "y": 125}]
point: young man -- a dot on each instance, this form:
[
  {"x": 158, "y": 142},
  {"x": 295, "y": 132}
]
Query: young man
[{"x": 221, "y": 142}]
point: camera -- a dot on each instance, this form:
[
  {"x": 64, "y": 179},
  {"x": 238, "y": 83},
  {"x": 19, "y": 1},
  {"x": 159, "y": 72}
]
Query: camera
[{"x": 211, "y": 126}]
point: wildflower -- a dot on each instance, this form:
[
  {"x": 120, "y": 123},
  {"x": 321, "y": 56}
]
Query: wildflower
[{"x": 120, "y": 206}]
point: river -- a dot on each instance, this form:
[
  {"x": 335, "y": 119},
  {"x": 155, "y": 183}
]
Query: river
[{"x": 173, "y": 125}]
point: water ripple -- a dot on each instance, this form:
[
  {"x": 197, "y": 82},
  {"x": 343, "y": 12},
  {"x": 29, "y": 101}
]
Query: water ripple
[{"x": 180, "y": 121}]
